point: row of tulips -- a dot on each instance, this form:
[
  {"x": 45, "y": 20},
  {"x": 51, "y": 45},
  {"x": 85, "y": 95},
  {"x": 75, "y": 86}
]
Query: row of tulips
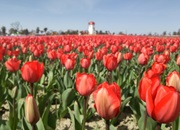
[{"x": 63, "y": 72}]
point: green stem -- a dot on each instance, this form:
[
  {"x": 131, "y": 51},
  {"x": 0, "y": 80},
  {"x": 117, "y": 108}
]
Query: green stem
[
  {"x": 33, "y": 127},
  {"x": 145, "y": 119},
  {"x": 176, "y": 123},
  {"x": 158, "y": 126},
  {"x": 109, "y": 77},
  {"x": 107, "y": 125},
  {"x": 85, "y": 70},
  {"x": 84, "y": 112},
  {"x": 31, "y": 87}
]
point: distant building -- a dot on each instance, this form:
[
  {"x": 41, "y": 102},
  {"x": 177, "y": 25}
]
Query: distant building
[{"x": 91, "y": 28}]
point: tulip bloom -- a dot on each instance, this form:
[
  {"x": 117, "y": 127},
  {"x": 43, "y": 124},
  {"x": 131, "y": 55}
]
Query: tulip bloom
[
  {"x": 158, "y": 68},
  {"x": 85, "y": 83},
  {"x": 32, "y": 71},
  {"x": 161, "y": 58},
  {"x": 31, "y": 110},
  {"x": 12, "y": 64},
  {"x": 114, "y": 49},
  {"x": 147, "y": 81},
  {"x": 110, "y": 62},
  {"x": 160, "y": 48},
  {"x": 128, "y": 56},
  {"x": 164, "y": 105},
  {"x": 119, "y": 56},
  {"x": 69, "y": 63},
  {"x": 52, "y": 55},
  {"x": 107, "y": 99},
  {"x": 85, "y": 62},
  {"x": 143, "y": 59},
  {"x": 99, "y": 55},
  {"x": 147, "y": 50},
  {"x": 173, "y": 79}
]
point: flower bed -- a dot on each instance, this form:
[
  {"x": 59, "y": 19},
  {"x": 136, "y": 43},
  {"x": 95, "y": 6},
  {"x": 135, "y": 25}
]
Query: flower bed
[{"x": 129, "y": 82}]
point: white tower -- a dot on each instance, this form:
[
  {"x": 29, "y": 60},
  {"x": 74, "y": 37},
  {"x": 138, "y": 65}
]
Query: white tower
[{"x": 91, "y": 28}]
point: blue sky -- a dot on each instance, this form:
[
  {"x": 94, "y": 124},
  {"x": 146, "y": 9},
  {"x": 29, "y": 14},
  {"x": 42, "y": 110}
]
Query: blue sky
[{"x": 128, "y": 16}]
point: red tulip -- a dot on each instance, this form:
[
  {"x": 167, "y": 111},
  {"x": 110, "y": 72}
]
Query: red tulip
[
  {"x": 67, "y": 48},
  {"x": 158, "y": 68},
  {"x": 110, "y": 62},
  {"x": 147, "y": 50},
  {"x": 114, "y": 49},
  {"x": 163, "y": 106},
  {"x": 146, "y": 82},
  {"x": 85, "y": 62},
  {"x": 12, "y": 64},
  {"x": 173, "y": 79},
  {"x": 85, "y": 83},
  {"x": 143, "y": 59},
  {"x": 32, "y": 71},
  {"x": 119, "y": 56},
  {"x": 160, "y": 48},
  {"x": 99, "y": 55},
  {"x": 173, "y": 49},
  {"x": 52, "y": 54},
  {"x": 1, "y": 56},
  {"x": 88, "y": 54},
  {"x": 107, "y": 98},
  {"x": 128, "y": 56},
  {"x": 31, "y": 110},
  {"x": 69, "y": 63},
  {"x": 161, "y": 58}
]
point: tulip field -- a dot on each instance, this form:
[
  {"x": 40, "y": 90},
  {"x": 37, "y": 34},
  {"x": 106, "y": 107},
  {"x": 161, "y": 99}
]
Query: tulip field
[{"x": 44, "y": 79}]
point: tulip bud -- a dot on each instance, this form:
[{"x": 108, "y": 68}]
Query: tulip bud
[
  {"x": 173, "y": 79},
  {"x": 178, "y": 60},
  {"x": 31, "y": 110},
  {"x": 30, "y": 58}
]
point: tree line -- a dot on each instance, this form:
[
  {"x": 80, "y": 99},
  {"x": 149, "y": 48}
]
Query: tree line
[{"x": 16, "y": 29}]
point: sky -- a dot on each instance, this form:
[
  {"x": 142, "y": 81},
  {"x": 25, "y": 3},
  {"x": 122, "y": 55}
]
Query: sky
[{"x": 127, "y": 16}]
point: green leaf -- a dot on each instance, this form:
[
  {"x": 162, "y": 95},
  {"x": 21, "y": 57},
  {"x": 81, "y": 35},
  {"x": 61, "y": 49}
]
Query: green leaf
[
  {"x": 77, "y": 114},
  {"x": 176, "y": 124},
  {"x": 46, "y": 114},
  {"x": 42, "y": 80},
  {"x": 26, "y": 125},
  {"x": 13, "y": 117},
  {"x": 150, "y": 124},
  {"x": 75, "y": 123},
  {"x": 3, "y": 125},
  {"x": 50, "y": 78},
  {"x": 135, "y": 106},
  {"x": 40, "y": 125},
  {"x": 67, "y": 97},
  {"x": 112, "y": 127},
  {"x": 68, "y": 80},
  {"x": 20, "y": 108},
  {"x": 44, "y": 100},
  {"x": 124, "y": 102}
]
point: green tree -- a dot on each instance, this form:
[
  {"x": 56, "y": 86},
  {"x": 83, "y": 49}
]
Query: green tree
[
  {"x": 12, "y": 31},
  {"x": 37, "y": 30},
  {"x": 24, "y": 31},
  {"x": 164, "y": 33},
  {"x": 3, "y": 28},
  {"x": 45, "y": 29},
  {"x": 16, "y": 26}
]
